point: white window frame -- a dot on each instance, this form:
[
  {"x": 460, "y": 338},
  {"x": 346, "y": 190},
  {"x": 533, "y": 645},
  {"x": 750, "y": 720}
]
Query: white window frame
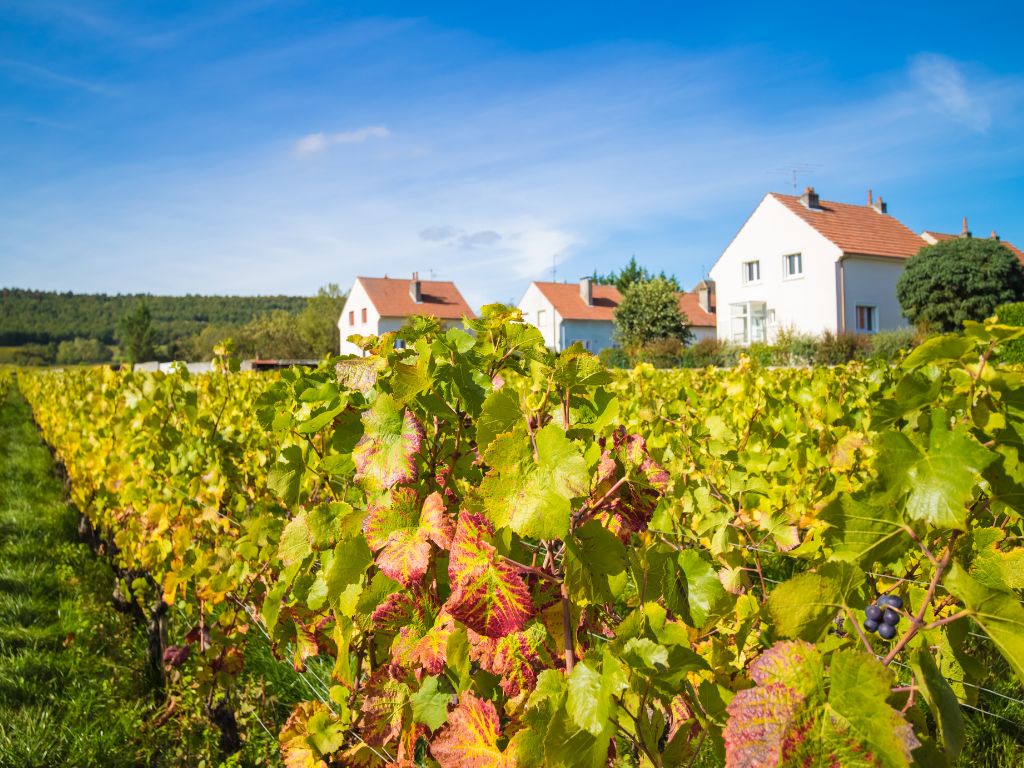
[
  {"x": 745, "y": 313},
  {"x": 747, "y": 265},
  {"x": 786, "y": 274},
  {"x": 872, "y": 316}
]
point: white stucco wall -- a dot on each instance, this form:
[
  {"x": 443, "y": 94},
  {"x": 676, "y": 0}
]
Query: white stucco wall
[
  {"x": 872, "y": 282},
  {"x": 807, "y": 304},
  {"x": 356, "y": 302},
  {"x": 703, "y": 333},
  {"x": 534, "y": 301}
]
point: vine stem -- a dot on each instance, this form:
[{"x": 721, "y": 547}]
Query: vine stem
[
  {"x": 856, "y": 625},
  {"x": 917, "y": 621},
  {"x": 531, "y": 569}
]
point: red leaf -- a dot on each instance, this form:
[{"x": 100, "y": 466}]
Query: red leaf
[
  {"x": 471, "y": 738},
  {"x": 488, "y": 595}
]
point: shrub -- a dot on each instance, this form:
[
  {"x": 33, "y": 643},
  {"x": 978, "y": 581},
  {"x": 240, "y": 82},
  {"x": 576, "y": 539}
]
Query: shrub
[
  {"x": 795, "y": 348},
  {"x": 662, "y": 353},
  {"x": 887, "y": 345},
  {"x": 614, "y": 357},
  {"x": 1012, "y": 314},
  {"x": 839, "y": 348}
]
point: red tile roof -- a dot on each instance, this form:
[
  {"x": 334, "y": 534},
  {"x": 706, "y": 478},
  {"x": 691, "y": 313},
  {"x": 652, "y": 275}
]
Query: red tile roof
[
  {"x": 940, "y": 236},
  {"x": 689, "y": 305},
  {"x": 391, "y": 298},
  {"x": 857, "y": 229},
  {"x": 567, "y": 301}
]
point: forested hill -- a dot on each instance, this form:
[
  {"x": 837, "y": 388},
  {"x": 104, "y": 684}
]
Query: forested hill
[{"x": 44, "y": 317}]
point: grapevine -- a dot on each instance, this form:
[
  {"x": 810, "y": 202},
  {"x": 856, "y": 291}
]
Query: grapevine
[{"x": 516, "y": 558}]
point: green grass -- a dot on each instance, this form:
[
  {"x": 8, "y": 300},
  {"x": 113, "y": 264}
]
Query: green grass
[{"x": 73, "y": 682}]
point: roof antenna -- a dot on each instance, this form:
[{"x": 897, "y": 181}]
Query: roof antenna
[{"x": 554, "y": 267}]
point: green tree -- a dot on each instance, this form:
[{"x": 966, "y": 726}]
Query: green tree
[
  {"x": 275, "y": 335},
  {"x": 649, "y": 312},
  {"x": 82, "y": 350},
  {"x": 136, "y": 334},
  {"x": 318, "y": 322},
  {"x": 957, "y": 280},
  {"x": 631, "y": 274}
]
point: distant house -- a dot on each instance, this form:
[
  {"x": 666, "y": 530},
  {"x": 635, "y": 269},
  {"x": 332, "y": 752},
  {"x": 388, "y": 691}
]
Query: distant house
[
  {"x": 569, "y": 312},
  {"x": 585, "y": 312},
  {"x": 936, "y": 237},
  {"x": 811, "y": 265},
  {"x": 376, "y": 305},
  {"x": 699, "y": 307}
]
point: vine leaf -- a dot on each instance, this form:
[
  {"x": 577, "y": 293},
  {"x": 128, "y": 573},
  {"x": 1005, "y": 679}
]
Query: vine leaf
[
  {"x": 385, "y": 706},
  {"x": 788, "y": 719},
  {"x": 310, "y": 733},
  {"x": 998, "y": 613},
  {"x": 804, "y": 606},
  {"x": 386, "y": 453},
  {"x": 864, "y": 529},
  {"x": 402, "y": 534},
  {"x": 471, "y": 738},
  {"x": 429, "y": 705},
  {"x": 514, "y": 658},
  {"x": 939, "y": 481},
  {"x": 941, "y": 700},
  {"x": 644, "y": 481},
  {"x": 488, "y": 595},
  {"x": 531, "y": 496}
]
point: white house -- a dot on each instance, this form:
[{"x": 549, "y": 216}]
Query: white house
[
  {"x": 810, "y": 265},
  {"x": 569, "y": 312},
  {"x": 376, "y": 305}
]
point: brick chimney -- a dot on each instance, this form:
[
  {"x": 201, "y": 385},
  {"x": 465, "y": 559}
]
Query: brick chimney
[
  {"x": 416, "y": 288},
  {"x": 880, "y": 205},
  {"x": 965, "y": 232},
  {"x": 810, "y": 198},
  {"x": 587, "y": 290}
]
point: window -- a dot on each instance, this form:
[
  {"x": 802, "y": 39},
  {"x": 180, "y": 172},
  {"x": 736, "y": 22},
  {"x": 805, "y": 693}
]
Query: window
[
  {"x": 748, "y": 322},
  {"x": 584, "y": 342},
  {"x": 867, "y": 319},
  {"x": 351, "y": 317},
  {"x": 751, "y": 271},
  {"x": 793, "y": 265},
  {"x": 540, "y": 318},
  {"x": 364, "y": 314},
  {"x": 399, "y": 343}
]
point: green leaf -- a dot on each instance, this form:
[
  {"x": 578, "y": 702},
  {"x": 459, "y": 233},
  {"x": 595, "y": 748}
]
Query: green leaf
[
  {"x": 804, "y": 606},
  {"x": 429, "y": 705},
  {"x": 940, "y": 480},
  {"x": 998, "y": 613},
  {"x": 941, "y": 700},
  {"x": 576, "y": 368},
  {"x": 590, "y": 702},
  {"x": 285, "y": 476},
  {"x": 939, "y": 348},
  {"x": 499, "y": 415},
  {"x": 295, "y": 540},
  {"x": 345, "y": 574},
  {"x": 640, "y": 651},
  {"x": 322, "y": 418},
  {"x": 534, "y": 497},
  {"x": 864, "y": 529},
  {"x": 704, "y": 590}
]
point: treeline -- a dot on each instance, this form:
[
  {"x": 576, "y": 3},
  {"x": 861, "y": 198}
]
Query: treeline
[
  {"x": 45, "y": 317},
  {"x": 42, "y": 328}
]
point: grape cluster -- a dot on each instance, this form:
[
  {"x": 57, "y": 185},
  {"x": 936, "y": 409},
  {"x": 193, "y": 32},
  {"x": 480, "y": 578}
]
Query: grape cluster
[{"x": 883, "y": 616}]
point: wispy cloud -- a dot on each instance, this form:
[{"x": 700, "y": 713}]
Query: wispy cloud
[
  {"x": 314, "y": 143},
  {"x": 33, "y": 72},
  {"x": 944, "y": 80}
]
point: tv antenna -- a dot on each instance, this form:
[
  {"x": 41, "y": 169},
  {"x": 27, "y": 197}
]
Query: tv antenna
[
  {"x": 796, "y": 171},
  {"x": 554, "y": 268}
]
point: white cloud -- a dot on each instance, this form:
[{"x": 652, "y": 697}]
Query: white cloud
[
  {"x": 318, "y": 142},
  {"x": 944, "y": 80}
]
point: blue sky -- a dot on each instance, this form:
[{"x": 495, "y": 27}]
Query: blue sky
[{"x": 251, "y": 146}]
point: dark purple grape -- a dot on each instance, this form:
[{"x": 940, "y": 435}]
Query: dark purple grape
[
  {"x": 893, "y": 601},
  {"x": 889, "y": 616},
  {"x": 886, "y": 631},
  {"x": 874, "y": 613},
  {"x": 870, "y": 625}
]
